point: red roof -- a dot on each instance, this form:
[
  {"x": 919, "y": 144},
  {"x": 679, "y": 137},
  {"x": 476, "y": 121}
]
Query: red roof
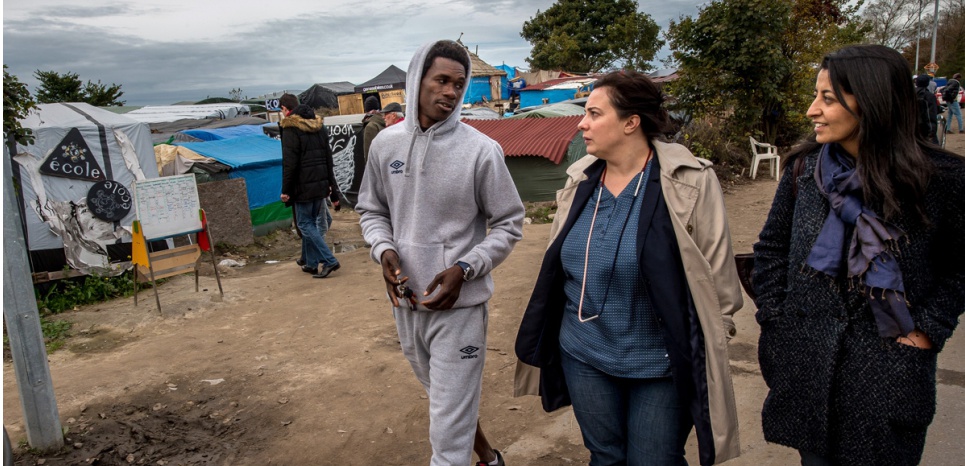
[{"x": 543, "y": 137}]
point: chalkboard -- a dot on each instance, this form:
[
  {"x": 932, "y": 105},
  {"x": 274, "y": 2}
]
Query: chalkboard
[{"x": 167, "y": 206}]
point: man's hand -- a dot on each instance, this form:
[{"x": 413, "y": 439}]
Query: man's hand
[
  {"x": 284, "y": 198},
  {"x": 451, "y": 285},
  {"x": 338, "y": 206},
  {"x": 391, "y": 273}
]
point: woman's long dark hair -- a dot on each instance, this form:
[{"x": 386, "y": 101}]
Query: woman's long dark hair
[{"x": 891, "y": 161}]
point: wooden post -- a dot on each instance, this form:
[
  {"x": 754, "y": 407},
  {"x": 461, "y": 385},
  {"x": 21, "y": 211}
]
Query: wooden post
[{"x": 20, "y": 313}]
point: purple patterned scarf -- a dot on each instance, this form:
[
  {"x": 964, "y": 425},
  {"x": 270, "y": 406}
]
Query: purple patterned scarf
[{"x": 870, "y": 257}]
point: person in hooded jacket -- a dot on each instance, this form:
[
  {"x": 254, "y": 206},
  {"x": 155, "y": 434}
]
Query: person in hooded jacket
[
  {"x": 440, "y": 209},
  {"x": 372, "y": 124},
  {"x": 308, "y": 178}
]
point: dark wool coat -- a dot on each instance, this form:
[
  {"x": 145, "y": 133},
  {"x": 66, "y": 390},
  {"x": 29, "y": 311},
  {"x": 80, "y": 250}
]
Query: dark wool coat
[
  {"x": 837, "y": 389},
  {"x": 307, "y": 167}
]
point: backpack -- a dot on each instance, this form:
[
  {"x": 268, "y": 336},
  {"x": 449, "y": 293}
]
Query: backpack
[
  {"x": 924, "y": 119},
  {"x": 950, "y": 93}
]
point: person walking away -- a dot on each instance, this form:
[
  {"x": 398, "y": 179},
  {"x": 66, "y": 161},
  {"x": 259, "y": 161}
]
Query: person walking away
[
  {"x": 950, "y": 94},
  {"x": 308, "y": 177},
  {"x": 633, "y": 305},
  {"x": 440, "y": 210},
  {"x": 927, "y": 109},
  {"x": 372, "y": 124},
  {"x": 859, "y": 271}
]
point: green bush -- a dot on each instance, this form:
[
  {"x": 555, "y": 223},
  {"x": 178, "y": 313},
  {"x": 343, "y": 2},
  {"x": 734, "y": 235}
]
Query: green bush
[{"x": 68, "y": 293}]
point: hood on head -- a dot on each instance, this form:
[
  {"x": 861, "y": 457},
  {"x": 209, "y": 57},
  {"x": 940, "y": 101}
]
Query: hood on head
[{"x": 413, "y": 82}]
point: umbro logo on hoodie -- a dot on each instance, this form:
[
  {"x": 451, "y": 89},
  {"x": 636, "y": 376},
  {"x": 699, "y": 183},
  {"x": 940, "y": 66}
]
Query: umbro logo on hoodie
[
  {"x": 468, "y": 351},
  {"x": 396, "y": 167}
]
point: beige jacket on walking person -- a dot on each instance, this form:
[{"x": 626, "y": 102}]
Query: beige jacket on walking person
[{"x": 694, "y": 199}]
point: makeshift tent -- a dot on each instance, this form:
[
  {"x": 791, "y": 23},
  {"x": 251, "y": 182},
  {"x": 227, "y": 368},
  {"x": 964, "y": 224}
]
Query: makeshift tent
[
  {"x": 163, "y": 132},
  {"x": 480, "y": 113},
  {"x": 161, "y": 113},
  {"x": 387, "y": 87},
  {"x": 484, "y": 84},
  {"x": 554, "y": 90},
  {"x": 538, "y": 151},
  {"x": 390, "y": 78},
  {"x": 551, "y": 111},
  {"x": 504, "y": 81},
  {"x": 325, "y": 95},
  {"x": 257, "y": 159},
  {"x": 214, "y": 134},
  {"x": 75, "y": 185}
]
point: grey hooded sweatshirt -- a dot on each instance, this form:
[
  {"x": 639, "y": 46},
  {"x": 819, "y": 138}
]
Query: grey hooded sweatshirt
[{"x": 432, "y": 195}]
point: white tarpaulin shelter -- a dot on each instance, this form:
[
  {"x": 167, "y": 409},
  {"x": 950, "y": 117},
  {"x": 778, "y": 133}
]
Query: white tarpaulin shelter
[
  {"x": 166, "y": 113},
  {"x": 79, "y": 150}
]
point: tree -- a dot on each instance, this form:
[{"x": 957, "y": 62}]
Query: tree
[
  {"x": 102, "y": 95},
  {"x": 55, "y": 87},
  {"x": 893, "y": 23},
  {"x": 235, "y": 94},
  {"x": 758, "y": 79},
  {"x": 17, "y": 103},
  {"x": 592, "y": 35}
]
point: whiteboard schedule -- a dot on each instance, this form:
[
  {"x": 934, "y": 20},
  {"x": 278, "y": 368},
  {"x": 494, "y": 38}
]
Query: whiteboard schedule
[{"x": 168, "y": 206}]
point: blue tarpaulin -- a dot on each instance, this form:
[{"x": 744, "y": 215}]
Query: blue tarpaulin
[
  {"x": 216, "y": 134},
  {"x": 256, "y": 158}
]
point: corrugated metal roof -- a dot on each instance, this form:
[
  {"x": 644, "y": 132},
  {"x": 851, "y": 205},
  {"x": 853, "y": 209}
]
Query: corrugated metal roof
[{"x": 542, "y": 137}]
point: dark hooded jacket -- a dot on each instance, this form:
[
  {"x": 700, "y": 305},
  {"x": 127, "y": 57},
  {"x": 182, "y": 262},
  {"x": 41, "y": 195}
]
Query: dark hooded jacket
[{"x": 307, "y": 168}]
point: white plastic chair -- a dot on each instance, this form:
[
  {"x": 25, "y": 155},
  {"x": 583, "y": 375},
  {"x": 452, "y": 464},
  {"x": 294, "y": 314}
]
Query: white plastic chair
[{"x": 763, "y": 151}]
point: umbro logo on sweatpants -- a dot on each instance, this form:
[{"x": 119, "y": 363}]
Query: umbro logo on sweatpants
[{"x": 469, "y": 350}]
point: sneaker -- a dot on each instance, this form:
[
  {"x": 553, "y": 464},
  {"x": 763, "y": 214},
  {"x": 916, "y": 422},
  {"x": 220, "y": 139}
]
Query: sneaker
[
  {"x": 326, "y": 270},
  {"x": 499, "y": 459}
]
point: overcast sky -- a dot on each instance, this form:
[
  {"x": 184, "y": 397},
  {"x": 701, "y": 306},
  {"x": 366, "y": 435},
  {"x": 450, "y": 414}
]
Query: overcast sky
[{"x": 175, "y": 50}]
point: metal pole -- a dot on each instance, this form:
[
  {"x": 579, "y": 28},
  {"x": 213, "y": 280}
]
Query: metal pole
[
  {"x": 20, "y": 313},
  {"x": 934, "y": 33},
  {"x": 918, "y": 39}
]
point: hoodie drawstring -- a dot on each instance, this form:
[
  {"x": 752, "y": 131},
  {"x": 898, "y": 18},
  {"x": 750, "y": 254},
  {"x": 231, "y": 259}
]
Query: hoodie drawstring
[{"x": 425, "y": 152}]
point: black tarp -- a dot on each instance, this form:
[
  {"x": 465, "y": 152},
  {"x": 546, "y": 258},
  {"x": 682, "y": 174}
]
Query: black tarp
[
  {"x": 391, "y": 78},
  {"x": 325, "y": 95}
]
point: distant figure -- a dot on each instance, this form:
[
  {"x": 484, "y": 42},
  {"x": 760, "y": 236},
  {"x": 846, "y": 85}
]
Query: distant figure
[
  {"x": 438, "y": 202},
  {"x": 859, "y": 271},
  {"x": 951, "y": 94},
  {"x": 927, "y": 109},
  {"x": 392, "y": 114},
  {"x": 308, "y": 177},
  {"x": 372, "y": 124}
]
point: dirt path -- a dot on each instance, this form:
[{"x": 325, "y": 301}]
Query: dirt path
[{"x": 291, "y": 370}]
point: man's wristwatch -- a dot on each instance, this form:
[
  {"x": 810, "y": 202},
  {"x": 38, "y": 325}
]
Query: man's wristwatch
[{"x": 466, "y": 270}]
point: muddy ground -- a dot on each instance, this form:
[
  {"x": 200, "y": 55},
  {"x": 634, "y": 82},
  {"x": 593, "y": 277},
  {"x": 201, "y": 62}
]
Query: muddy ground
[{"x": 290, "y": 370}]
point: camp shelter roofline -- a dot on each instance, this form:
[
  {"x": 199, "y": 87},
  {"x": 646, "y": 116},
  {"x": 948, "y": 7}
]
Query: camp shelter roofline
[{"x": 391, "y": 78}]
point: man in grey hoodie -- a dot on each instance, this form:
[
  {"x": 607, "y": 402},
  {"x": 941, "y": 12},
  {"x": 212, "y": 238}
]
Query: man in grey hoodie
[{"x": 440, "y": 210}]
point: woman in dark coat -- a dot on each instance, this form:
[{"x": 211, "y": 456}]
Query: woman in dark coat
[{"x": 860, "y": 271}]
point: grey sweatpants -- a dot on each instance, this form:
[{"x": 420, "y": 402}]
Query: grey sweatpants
[{"x": 447, "y": 350}]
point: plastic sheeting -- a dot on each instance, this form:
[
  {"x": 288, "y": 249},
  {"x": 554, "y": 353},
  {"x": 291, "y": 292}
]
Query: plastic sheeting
[{"x": 257, "y": 159}]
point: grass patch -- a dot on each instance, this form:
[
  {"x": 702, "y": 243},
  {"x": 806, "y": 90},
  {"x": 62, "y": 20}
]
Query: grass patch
[
  {"x": 541, "y": 212},
  {"x": 59, "y": 296}
]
